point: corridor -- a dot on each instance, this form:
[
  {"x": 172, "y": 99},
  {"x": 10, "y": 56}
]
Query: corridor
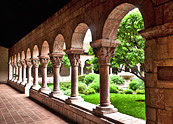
[{"x": 16, "y": 108}]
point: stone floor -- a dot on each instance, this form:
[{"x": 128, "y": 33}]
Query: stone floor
[{"x": 16, "y": 108}]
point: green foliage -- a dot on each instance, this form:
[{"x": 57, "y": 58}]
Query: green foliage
[
  {"x": 113, "y": 88},
  {"x": 136, "y": 84},
  {"x": 128, "y": 91},
  {"x": 65, "y": 85},
  {"x": 121, "y": 89},
  {"x": 65, "y": 61},
  {"x": 82, "y": 87},
  {"x": 140, "y": 91},
  {"x": 116, "y": 79},
  {"x": 121, "y": 92},
  {"x": 95, "y": 85},
  {"x": 125, "y": 103},
  {"x": 90, "y": 78},
  {"x": 90, "y": 91},
  {"x": 67, "y": 92},
  {"x": 81, "y": 77}
]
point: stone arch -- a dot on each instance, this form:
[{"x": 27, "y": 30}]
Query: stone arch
[
  {"x": 35, "y": 53},
  {"x": 78, "y": 35},
  {"x": 18, "y": 57},
  {"x": 45, "y": 49},
  {"x": 23, "y": 55},
  {"x": 28, "y": 53},
  {"x": 114, "y": 19},
  {"x": 59, "y": 43}
]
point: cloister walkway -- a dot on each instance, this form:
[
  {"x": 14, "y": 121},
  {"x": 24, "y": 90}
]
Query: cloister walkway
[{"x": 16, "y": 108}]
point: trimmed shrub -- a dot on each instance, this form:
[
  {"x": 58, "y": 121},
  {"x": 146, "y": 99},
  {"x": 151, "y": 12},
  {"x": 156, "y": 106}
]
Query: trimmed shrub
[
  {"x": 67, "y": 92},
  {"x": 140, "y": 91},
  {"x": 116, "y": 79},
  {"x": 95, "y": 86},
  {"x": 121, "y": 89},
  {"x": 113, "y": 88},
  {"x": 128, "y": 91},
  {"x": 90, "y": 78},
  {"x": 65, "y": 85},
  {"x": 121, "y": 92},
  {"x": 81, "y": 77},
  {"x": 90, "y": 91},
  {"x": 136, "y": 84},
  {"x": 82, "y": 87}
]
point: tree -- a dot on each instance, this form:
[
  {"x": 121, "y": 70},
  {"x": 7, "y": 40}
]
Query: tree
[{"x": 131, "y": 49}]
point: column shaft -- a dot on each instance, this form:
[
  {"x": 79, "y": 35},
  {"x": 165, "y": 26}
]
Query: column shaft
[{"x": 74, "y": 81}]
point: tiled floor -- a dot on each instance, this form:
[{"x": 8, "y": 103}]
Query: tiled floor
[{"x": 16, "y": 108}]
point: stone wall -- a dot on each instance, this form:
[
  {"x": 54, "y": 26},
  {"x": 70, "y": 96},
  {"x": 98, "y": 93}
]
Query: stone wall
[{"x": 3, "y": 64}]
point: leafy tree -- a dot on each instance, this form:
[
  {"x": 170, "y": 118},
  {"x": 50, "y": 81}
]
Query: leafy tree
[
  {"x": 131, "y": 49},
  {"x": 65, "y": 61}
]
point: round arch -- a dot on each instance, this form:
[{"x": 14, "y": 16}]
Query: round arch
[
  {"x": 59, "y": 43},
  {"x": 28, "y": 53},
  {"x": 35, "y": 52},
  {"x": 45, "y": 49},
  {"x": 78, "y": 35}
]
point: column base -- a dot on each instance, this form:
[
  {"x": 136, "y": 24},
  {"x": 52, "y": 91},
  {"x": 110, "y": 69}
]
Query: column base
[
  {"x": 23, "y": 83},
  {"x": 45, "y": 90},
  {"x": 56, "y": 93},
  {"x": 18, "y": 82},
  {"x": 70, "y": 99},
  {"x": 36, "y": 87},
  {"x": 101, "y": 110}
]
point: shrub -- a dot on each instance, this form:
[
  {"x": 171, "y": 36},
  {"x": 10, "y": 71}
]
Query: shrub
[
  {"x": 128, "y": 91},
  {"x": 82, "y": 87},
  {"x": 140, "y": 91},
  {"x": 113, "y": 88},
  {"x": 121, "y": 92},
  {"x": 121, "y": 89},
  {"x": 136, "y": 84},
  {"x": 67, "y": 92},
  {"x": 65, "y": 85},
  {"x": 95, "y": 86},
  {"x": 116, "y": 79},
  {"x": 81, "y": 77},
  {"x": 90, "y": 78},
  {"x": 90, "y": 91},
  {"x": 133, "y": 84}
]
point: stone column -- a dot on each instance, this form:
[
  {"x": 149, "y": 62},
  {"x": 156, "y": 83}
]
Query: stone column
[
  {"x": 13, "y": 72},
  {"x": 44, "y": 62},
  {"x": 104, "y": 49},
  {"x": 29, "y": 66},
  {"x": 16, "y": 74},
  {"x": 23, "y": 72},
  {"x": 10, "y": 72},
  {"x": 56, "y": 59},
  {"x": 19, "y": 72},
  {"x": 74, "y": 57},
  {"x": 35, "y": 62}
]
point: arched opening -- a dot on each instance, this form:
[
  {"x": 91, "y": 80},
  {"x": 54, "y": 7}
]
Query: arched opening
[
  {"x": 45, "y": 49},
  {"x": 35, "y": 52},
  {"x": 28, "y": 53}
]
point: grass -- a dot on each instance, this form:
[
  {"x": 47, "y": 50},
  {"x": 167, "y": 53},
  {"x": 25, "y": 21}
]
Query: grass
[{"x": 125, "y": 103}]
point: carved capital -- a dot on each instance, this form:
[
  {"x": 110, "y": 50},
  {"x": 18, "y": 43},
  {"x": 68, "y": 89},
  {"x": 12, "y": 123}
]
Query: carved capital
[
  {"x": 28, "y": 62},
  {"x": 104, "y": 54},
  {"x": 35, "y": 62},
  {"x": 19, "y": 64},
  {"x": 56, "y": 59},
  {"x": 74, "y": 56},
  {"x": 23, "y": 62},
  {"x": 44, "y": 61}
]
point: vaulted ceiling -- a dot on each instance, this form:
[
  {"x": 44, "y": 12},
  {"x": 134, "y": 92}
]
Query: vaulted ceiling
[{"x": 19, "y": 17}]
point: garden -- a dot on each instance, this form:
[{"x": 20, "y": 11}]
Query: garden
[{"x": 129, "y": 101}]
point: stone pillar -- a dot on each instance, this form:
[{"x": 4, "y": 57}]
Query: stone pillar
[
  {"x": 16, "y": 74},
  {"x": 56, "y": 59},
  {"x": 74, "y": 57},
  {"x": 10, "y": 71},
  {"x": 23, "y": 72},
  {"x": 13, "y": 72},
  {"x": 19, "y": 72},
  {"x": 29, "y": 66},
  {"x": 104, "y": 49},
  {"x": 35, "y": 62},
  {"x": 44, "y": 62}
]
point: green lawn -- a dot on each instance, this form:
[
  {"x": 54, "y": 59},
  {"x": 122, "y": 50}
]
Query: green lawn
[{"x": 125, "y": 103}]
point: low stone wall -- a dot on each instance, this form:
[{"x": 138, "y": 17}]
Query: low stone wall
[{"x": 78, "y": 112}]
